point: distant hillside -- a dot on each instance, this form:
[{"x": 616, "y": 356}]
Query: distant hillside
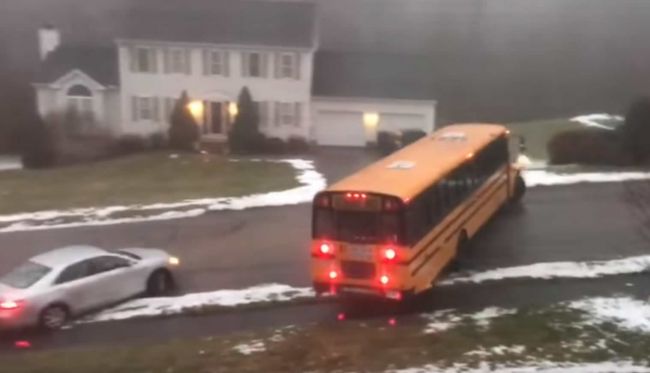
[{"x": 497, "y": 60}]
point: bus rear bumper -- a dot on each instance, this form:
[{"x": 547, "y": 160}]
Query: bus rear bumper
[{"x": 359, "y": 291}]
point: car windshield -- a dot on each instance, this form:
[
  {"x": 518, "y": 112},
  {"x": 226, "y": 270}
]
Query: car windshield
[{"x": 25, "y": 276}]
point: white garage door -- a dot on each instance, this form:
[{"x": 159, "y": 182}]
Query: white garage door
[
  {"x": 340, "y": 128},
  {"x": 397, "y": 122}
]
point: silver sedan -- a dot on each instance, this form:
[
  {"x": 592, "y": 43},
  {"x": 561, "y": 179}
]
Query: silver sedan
[{"x": 51, "y": 288}]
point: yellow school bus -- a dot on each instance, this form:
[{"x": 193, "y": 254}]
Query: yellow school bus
[{"x": 390, "y": 229}]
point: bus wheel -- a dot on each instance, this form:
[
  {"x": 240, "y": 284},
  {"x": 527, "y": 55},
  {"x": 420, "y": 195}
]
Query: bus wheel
[{"x": 520, "y": 189}]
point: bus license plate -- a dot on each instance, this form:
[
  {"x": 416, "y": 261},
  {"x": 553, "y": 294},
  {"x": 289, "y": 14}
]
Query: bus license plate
[{"x": 359, "y": 253}]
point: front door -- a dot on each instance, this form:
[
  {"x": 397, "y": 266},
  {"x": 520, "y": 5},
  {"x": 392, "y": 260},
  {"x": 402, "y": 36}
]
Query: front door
[{"x": 216, "y": 118}]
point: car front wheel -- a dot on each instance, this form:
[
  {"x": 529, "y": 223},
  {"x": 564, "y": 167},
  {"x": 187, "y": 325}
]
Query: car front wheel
[{"x": 160, "y": 283}]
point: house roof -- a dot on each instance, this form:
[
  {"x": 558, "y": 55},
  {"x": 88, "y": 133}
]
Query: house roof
[
  {"x": 98, "y": 62},
  {"x": 373, "y": 75},
  {"x": 277, "y": 23}
]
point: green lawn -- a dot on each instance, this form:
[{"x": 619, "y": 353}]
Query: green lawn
[
  {"x": 139, "y": 179},
  {"x": 538, "y": 133},
  {"x": 552, "y": 334}
]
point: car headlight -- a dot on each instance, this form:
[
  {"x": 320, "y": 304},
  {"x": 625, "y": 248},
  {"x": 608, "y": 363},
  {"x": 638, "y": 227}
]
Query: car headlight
[{"x": 174, "y": 261}]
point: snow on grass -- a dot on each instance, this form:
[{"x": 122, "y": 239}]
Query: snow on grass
[
  {"x": 539, "y": 367},
  {"x": 310, "y": 180},
  {"x": 250, "y": 348},
  {"x": 150, "y": 307},
  {"x": 594, "y": 120},
  {"x": 446, "y": 319},
  {"x": 544, "y": 177},
  {"x": 628, "y": 313},
  {"x": 551, "y": 270}
]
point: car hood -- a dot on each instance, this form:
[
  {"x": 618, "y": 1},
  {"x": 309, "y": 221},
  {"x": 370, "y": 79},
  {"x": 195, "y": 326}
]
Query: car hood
[{"x": 148, "y": 254}]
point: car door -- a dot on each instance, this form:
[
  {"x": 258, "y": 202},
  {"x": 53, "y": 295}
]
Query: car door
[
  {"x": 113, "y": 278},
  {"x": 72, "y": 285}
]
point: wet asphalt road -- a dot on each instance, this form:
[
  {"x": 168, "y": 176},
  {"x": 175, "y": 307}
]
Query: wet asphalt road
[{"x": 239, "y": 249}]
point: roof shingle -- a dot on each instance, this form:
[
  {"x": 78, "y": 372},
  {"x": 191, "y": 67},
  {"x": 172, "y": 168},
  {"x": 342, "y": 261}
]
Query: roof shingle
[{"x": 99, "y": 62}]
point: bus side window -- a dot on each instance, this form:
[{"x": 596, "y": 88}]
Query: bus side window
[{"x": 324, "y": 223}]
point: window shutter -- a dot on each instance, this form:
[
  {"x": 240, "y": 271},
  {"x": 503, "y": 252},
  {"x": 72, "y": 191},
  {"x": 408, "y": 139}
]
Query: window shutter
[
  {"x": 154, "y": 60},
  {"x": 167, "y": 61},
  {"x": 134, "y": 108},
  {"x": 264, "y": 61},
  {"x": 225, "y": 63},
  {"x": 156, "y": 109},
  {"x": 188, "y": 61},
  {"x": 298, "y": 114},
  {"x": 278, "y": 65},
  {"x": 244, "y": 64},
  {"x": 277, "y": 114},
  {"x": 133, "y": 59},
  {"x": 205, "y": 55},
  {"x": 297, "y": 66}
]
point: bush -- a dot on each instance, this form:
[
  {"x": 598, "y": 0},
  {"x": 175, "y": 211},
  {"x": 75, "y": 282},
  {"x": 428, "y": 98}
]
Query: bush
[
  {"x": 130, "y": 144},
  {"x": 274, "y": 145},
  {"x": 157, "y": 140},
  {"x": 38, "y": 146},
  {"x": 297, "y": 144},
  {"x": 387, "y": 142},
  {"x": 636, "y": 130},
  {"x": 183, "y": 130},
  {"x": 412, "y": 135},
  {"x": 587, "y": 146}
]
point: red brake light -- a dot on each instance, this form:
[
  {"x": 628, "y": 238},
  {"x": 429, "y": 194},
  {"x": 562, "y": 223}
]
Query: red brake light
[
  {"x": 326, "y": 249},
  {"x": 333, "y": 275},
  {"x": 323, "y": 201},
  {"x": 384, "y": 280},
  {"x": 9, "y": 305},
  {"x": 390, "y": 254}
]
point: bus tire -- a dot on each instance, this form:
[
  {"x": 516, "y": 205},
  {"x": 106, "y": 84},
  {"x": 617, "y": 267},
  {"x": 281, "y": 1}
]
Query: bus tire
[{"x": 520, "y": 189}]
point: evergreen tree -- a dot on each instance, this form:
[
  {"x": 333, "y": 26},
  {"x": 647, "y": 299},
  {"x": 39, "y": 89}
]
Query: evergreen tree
[
  {"x": 244, "y": 136},
  {"x": 183, "y": 130}
]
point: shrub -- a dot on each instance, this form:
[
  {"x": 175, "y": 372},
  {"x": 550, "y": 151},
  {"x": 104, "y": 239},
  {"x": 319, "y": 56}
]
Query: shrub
[
  {"x": 410, "y": 136},
  {"x": 297, "y": 144},
  {"x": 587, "y": 146},
  {"x": 244, "y": 135},
  {"x": 130, "y": 144},
  {"x": 636, "y": 130},
  {"x": 157, "y": 140},
  {"x": 183, "y": 130},
  {"x": 38, "y": 149},
  {"x": 387, "y": 142},
  {"x": 274, "y": 145}
]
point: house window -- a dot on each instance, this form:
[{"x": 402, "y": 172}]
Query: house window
[
  {"x": 287, "y": 114},
  {"x": 263, "y": 113},
  {"x": 177, "y": 61},
  {"x": 144, "y": 60},
  {"x": 215, "y": 62},
  {"x": 145, "y": 108},
  {"x": 287, "y": 66},
  {"x": 254, "y": 64},
  {"x": 80, "y": 100}
]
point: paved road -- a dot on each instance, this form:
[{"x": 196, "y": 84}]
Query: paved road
[{"x": 237, "y": 249}]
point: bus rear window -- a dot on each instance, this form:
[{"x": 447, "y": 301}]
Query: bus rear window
[{"x": 357, "y": 226}]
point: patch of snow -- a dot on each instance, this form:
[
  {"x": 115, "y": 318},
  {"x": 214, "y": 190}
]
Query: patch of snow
[
  {"x": 446, "y": 319},
  {"x": 149, "y": 307},
  {"x": 540, "y": 367},
  {"x": 544, "y": 177},
  {"x": 591, "y": 269},
  {"x": 628, "y": 313},
  {"x": 593, "y": 120},
  {"x": 10, "y": 163},
  {"x": 502, "y": 350},
  {"x": 250, "y": 348},
  {"x": 310, "y": 180}
]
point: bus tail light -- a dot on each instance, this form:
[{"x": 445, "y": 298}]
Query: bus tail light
[
  {"x": 333, "y": 275},
  {"x": 384, "y": 280},
  {"x": 390, "y": 254},
  {"x": 325, "y": 250}
]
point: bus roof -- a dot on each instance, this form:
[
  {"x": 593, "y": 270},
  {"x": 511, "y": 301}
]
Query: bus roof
[{"x": 409, "y": 171}]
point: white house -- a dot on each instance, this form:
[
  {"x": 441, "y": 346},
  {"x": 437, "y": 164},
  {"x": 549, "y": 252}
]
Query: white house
[{"x": 331, "y": 98}]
